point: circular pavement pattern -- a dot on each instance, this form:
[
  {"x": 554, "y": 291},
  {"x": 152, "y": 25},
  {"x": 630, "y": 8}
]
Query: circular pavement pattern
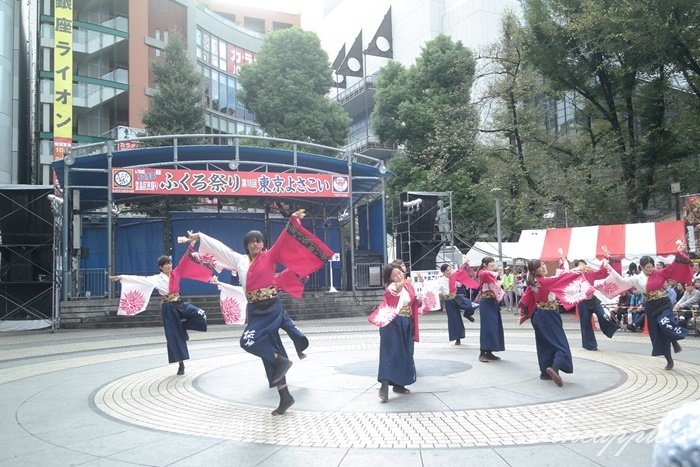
[{"x": 158, "y": 400}]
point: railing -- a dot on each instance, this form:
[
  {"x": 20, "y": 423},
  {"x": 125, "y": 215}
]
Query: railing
[
  {"x": 337, "y": 153},
  {"x": 368, "y": 275},
  {"x": 89, "y": 283}
]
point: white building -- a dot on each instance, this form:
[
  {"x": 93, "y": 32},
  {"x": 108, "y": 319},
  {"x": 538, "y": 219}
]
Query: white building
[{"x": 476, "y": 23}]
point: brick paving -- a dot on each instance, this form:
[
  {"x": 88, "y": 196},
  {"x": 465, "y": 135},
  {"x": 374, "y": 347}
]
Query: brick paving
[{"x": 105, "y": 397}]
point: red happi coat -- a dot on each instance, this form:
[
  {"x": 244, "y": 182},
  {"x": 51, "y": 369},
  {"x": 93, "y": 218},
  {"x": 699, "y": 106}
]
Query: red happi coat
[
  {"x": 570, "y": 288},
  {"x": 463, "y": 277},
  {"x": 387, "y": 311}
]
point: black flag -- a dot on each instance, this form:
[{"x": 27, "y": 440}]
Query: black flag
[
  {"x": 381, "y": 44},
  {"x": 336, "y": 64},
  {"x": 352, "y": 65}
]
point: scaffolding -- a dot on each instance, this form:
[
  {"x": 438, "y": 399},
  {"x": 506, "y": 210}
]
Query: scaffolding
[
  {"x": 27, "y": 251},
  {"x": 423, "y": 229}
]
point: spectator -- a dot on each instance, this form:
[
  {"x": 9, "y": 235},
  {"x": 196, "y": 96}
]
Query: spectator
[
  {"x": 671, "y": 292},
  {"x": 690, "y": 299},
  {"x": 623, "y": 304},
  {"x": 632, "y": 270},
  {"x": 696, "y": 271},
  {"x": 635, "y": 314},
  {"x": 508, "y": 284}
]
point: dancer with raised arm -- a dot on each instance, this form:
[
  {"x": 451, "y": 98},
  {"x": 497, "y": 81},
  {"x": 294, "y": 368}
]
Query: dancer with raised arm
[
  {"x": 540, "y": 303},
  {"x": 178, "y": 315},
  {"x": 454, "y": 303},
  {"x": 664, "y": 331},
  {"x": 587, "y": 308},
  {"x": 397, "y": 318},
  {"x": 302, "y": 254}
]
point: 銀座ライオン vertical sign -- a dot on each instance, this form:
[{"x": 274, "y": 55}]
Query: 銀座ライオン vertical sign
[{"x": 62, "y": 78}]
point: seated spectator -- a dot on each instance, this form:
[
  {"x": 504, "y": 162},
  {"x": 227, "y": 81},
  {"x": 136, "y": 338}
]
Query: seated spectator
[
  {"x": 623, "y": 304},
  {"x": 689, "y": 300},
  {"x": 635, "y": 315},
  {"x": 671, "y": 291}
]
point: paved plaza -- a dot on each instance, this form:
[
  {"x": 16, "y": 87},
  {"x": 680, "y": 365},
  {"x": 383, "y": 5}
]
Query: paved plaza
[{"x": 108, "y": 397}]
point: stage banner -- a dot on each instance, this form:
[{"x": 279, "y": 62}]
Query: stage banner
[
  {"x": 63, "y": 78},
  {"x": 218, "y": 183}
]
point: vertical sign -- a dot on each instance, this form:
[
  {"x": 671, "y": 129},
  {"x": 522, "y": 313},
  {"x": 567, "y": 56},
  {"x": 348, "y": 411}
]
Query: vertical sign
[{"x": 63, "y": 78}]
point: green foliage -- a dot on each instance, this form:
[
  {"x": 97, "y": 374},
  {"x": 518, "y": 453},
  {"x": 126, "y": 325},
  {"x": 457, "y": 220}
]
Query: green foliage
[
  {"x": 619, "y": 60},
  {"x": 286, "y": 89},
  {"x": 177, "y": 107},
  {"x": 427, "y": 109}
]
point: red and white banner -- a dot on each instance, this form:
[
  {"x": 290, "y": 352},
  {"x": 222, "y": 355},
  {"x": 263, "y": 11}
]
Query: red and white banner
[
  {"x": 621, "y": 240},
  {"x": 221, "y": 183}
]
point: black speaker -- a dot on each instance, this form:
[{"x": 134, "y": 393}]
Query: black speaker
[
  {"x": 20, "y": 272},
  {"x": 423, "y": 255},
  {"x": 419, "y": 212}
]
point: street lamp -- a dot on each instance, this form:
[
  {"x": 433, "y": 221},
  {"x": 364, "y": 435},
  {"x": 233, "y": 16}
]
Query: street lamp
[{"x": 497, "y": 193}]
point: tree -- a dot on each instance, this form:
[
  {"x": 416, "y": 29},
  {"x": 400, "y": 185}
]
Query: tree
[
  {"x": 541, "y": 164},
  {"x": 177, "y": 106},
  {"x": 286, "y": 88},
  {"x": 594, "y": 49},
  {"x": 427, "y": 109}
]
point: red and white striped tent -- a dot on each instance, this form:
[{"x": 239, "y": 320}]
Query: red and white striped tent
[{"x": 622, "y": 241}]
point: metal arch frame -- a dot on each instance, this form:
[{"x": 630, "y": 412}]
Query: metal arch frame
[{"x": 107, "y": 148}]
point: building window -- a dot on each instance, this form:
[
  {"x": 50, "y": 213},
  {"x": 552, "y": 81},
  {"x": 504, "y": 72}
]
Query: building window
[
  {"x": 157, "y": 36},
  {"x": 276, "y": 25},
  {"x": 254, "y": 24}
]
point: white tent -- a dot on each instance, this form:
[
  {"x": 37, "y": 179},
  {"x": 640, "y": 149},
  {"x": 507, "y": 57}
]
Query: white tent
[{"x": 509, "y": 250}]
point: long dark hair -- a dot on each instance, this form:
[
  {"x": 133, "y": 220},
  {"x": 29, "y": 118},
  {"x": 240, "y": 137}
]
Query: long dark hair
[
  {"x": 532, "y": 266},
  {"x": 484, "y": 261},
  {"x": 386, "y": 273}
]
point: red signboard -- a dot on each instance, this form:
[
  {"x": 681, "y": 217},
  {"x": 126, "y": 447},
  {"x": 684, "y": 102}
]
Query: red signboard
[
  {"x": 236, "y": 57},
  {"x": 220, "y": 183}
]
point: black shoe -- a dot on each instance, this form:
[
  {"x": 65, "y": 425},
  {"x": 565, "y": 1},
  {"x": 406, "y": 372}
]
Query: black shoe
[
  {"x": 483, "y": 358},
  {"x": 470, "y": 317},
  {"x": 554, "y": 374},
  {"x": 301, "y": 355},
  {"x": 282, "y": 365},
  {"x": 676, "y": 346},
  {"x": 491, "y": 356},
  {"x": 591, "y": 348},
  {"x": 401, "y": 390},
  {"x": 181, "y": 370},
  {"x": 286, "y": 401},
  {"x": 545, "y": 377},
  {"x": 458, "y": 342},
  {"x": 669, "y": 366},
  {"x": 631, "y": 328},
  {"x": 384, "y": 392}
]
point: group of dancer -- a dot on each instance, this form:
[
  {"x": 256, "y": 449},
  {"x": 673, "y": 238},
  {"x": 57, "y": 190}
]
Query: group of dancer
[
  {"x": 296, "y": 248},
  {"x": 302, "y": 254},
  {"x": 541, "y": 304}
]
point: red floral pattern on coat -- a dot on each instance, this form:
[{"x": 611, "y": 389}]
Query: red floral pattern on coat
[
  {"x": 231, "y": 310},
  {"x": 431, "y": 302},
  {"x": 132, "y": 302}
]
